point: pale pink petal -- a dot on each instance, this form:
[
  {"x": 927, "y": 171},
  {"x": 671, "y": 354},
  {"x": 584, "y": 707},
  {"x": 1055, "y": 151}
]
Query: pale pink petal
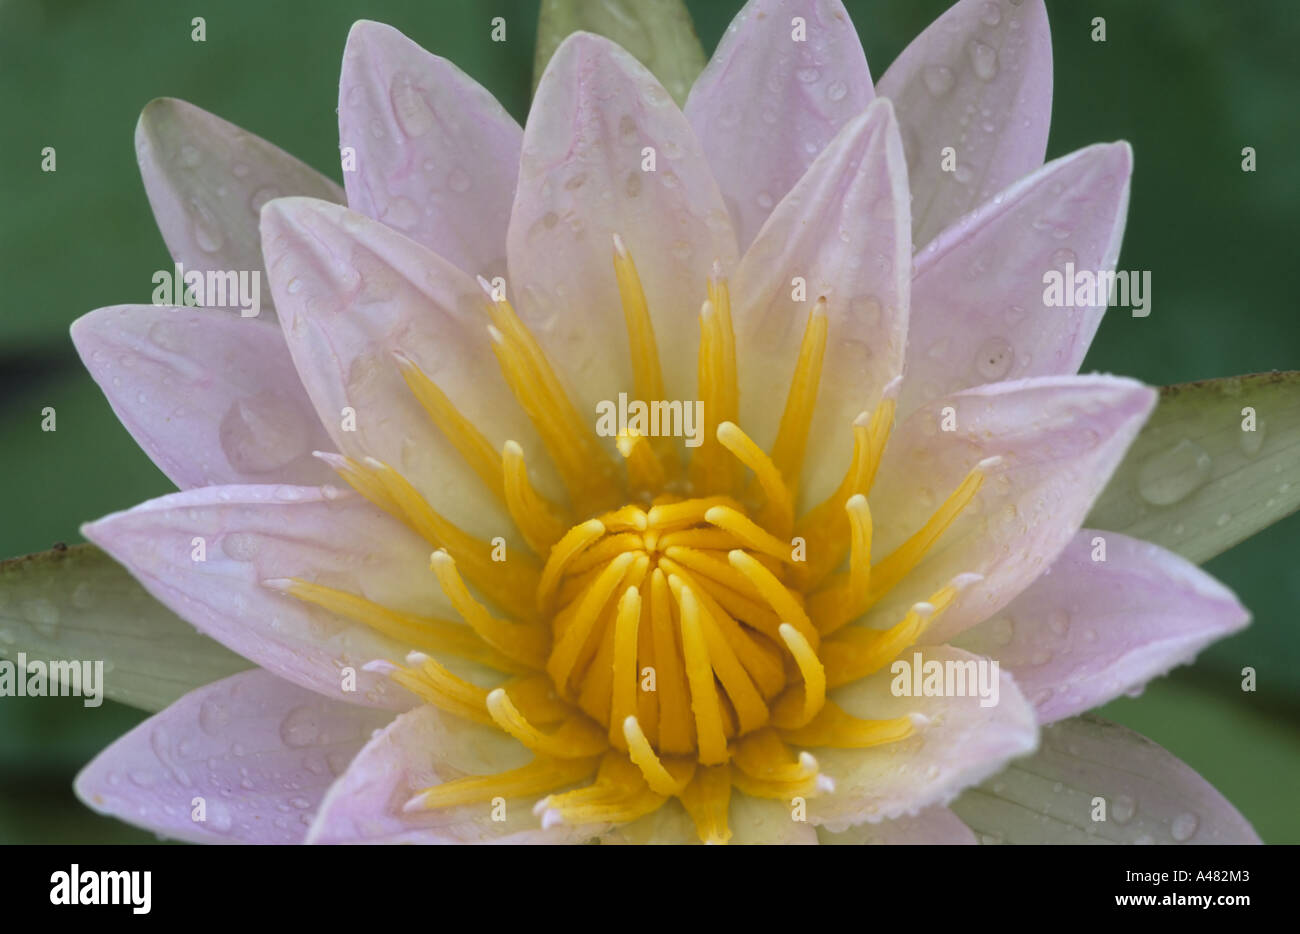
[
  {"x": 933, "y": 826},
  {"x": 960, "y": 742},
  {"x": 352, "y": 292},
  {"x": 207, "y": 180},
  {"x": 1085, "y": 763},
  {"x": 752, "y": 821},
  {"x": 212, "y": 398},
  {"x": 247, "y": 535},
  {"x": 978, "y": 309},
  {"x": 436, "y": 156},
  {"x": 251, "y": 755},
  {"x": 772, "y": 97},
  {"x": 421, "y": 748},
  {"x": 843, "y": 229},
  {"x": 1089, "y": 630},
  {"x": 978, "y": 80},
  {"x": 1058, "y": 437},
  {"x": 596, "y": 113}
]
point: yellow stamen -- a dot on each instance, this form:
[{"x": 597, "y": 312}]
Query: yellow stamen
[
  {"x": 744, "y": 528},
  {"x": 645, "y": 472},
  {"x": 699, "y": 674},
  {"x": 786, "y": 714},
  {"x": 837, "y": 729},
  {"x": 792, "y": 436},
  {"x": 571, "y": 641},
  {"x": 623, "y": 706},
  {"x": 541, "y": 775},
  {"x": 687, "y": 512},
  {"x": 707, "y": 799},
  {"x": 575, "y": 739},
  {"x": 711, "y": 469},
  {"x": 777, "y": 595},
  {"x": 657, "y": 773},
  {"x": 527, "y": 643},
  {"x": 434, "y": 684},
  {"x": 533, "y": 515},
  {"x": 571, "y": 544},
  {"x": 778, "y": 509},
  {"x": 676, "y": 727}
]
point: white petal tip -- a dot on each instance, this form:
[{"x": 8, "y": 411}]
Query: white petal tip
[{"x": 415, "y": 805}]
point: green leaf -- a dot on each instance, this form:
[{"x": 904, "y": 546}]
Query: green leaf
[
  {"x": 78, "y": 604},
  {"x": 1196, "y": 481},
  {"x": 658, "y": 32},
  {"x": 1087, "y": 763}
]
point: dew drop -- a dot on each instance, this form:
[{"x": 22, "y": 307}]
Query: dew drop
[
  {"x": 260, "y": 197},
  {"x": 1252, "y": 441},
  {"x": 807, "y": 75},
  {"x": 1002, "y": 630},
  {"x": 43, "y": 615},
  {"x": 938, "y": 79},
  {"x": 836, "y": 90},
  {"x": 264, "y": 432},
  {"x": 994, "y": 359},
  {"x": 459, "y": 180},
  {"x": 990, "y": 15},
  {"x": 300, "y": 727},
  {"x": 1058, "y": 621},
  {"x": 1173, "y": 474},
  {"x": 190, "y": 156},
  {"x": 413, "y": 113},
  {"x": 1184, "y": 826},
  {"x": 1122, "y": 809},
  {"x": 984, "y": 59},
  {"x": 213, "y": 715}
]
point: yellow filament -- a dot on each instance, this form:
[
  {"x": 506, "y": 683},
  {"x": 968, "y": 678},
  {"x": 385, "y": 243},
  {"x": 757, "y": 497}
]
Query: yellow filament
[
  {"x": 533, "y": 515},
  {"x": 687, "y": 512},
  {"x": 699, "y": 674},
  {"x": 645, "y": 472},
  {"x": 656, "y": 773},
  {"x": 630, "y": 518},
  {"x": 778, "y": 507},
  {"x": 619, "y": 795},
  {"x": 676, "y": 728},
  {"x": 571, "y": 544},
  {"x": 714, "y": 567},
  {"x": 777, "y": 595},
  {"x": 792, "y": 436},
  {"x": 541, "y": 775},
  {"x": 527, "y": 643},
  {"x": 837, "y": 729},
  {"x": 707, "y": 799},
  {"x": 427, "y": 633},
  {"x": 575, "y": 739},
  {"x": 455, "y": 427},
  {"x": 623, "y": 705},
  {"x": 571, "y": 641},
  {"x": 764, "y": 755},
  {"x": 711, "y": 470},
  {"x": 856, "y": 651},
  {"x": 860, "y": 547},
  {"x": 433, "y": 683},
  {"x": 814, "y": 681},
  {"x": 754, "y": 536}
]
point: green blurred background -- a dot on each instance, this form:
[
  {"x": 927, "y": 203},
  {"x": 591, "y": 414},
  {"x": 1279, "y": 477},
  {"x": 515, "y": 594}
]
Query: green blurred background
[{"x": 1187, "y": 82}]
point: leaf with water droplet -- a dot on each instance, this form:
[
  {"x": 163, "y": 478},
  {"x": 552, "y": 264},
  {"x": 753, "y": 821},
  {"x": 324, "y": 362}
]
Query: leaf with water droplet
[
  {"x": 78, "y": 603},
  {"x": 1191, "y": 466},
  {"x": 659, "y": 33}
]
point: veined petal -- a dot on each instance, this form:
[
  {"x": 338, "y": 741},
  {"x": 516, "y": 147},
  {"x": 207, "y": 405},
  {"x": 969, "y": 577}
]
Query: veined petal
[
  {"x": 1150, "y": 796},
  {"x": 207, "y": 180},
  {"x": 436, "y": 156},
  {"x": 598, "y": 119},
  {"x": 772, "y": 97},
  {"x": 961, "y": 744},
  {"x": 352, "y": 292},
  {"x": 979, "y": 80},
  {"x": 978, "y": 309},
  {"x": 422, "y": 748},
  {"x": 843, "y": 228},
  {"x": 206, "y": 554},
  {"x": 244, "y": 760},
  {"x": 1058, "y": 437},
  {"x": 933, "y": 826},
  {"x": 211, "y": 398},
  {"x": 1089, "y": 630},
  {"x": 77, "y": 602}
]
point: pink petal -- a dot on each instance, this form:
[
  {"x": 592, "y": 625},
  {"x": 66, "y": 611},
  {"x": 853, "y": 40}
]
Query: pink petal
[
  {"x": 207, "y": 181},
  {"x": 256, "y": 753},
  {"x": 421, "y": 748},
  {"x": 979, "y": 80},
  {"x": 251, "y": 534},
  {"x": 770, "y": 103},
  {"x": 1087, "y": 631},
  {"x": 351, "y": 292},
  {"x": 596, "y": 111},
  {"x": 961, "y": 744},
  {"x": 978, "y": 314},
  {"x": 1059, "y": 439},
  {"x": 211, "y": 397},
  {"x": 844, "y": 230},
  {"x": 436, "y": 155},
  {"x": 933, "y": 826},
  {"x": 1052, "y": 796}
]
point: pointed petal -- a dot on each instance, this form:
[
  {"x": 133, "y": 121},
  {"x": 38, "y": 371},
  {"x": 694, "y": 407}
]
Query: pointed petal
[
  {"x": 978, "y": 311},
  {"x": 1059, "y": 438},
  {"x": 844, "y": 230},
  {"x": 421, "y": 748},
  {"x": 1218, "y": 461},
  {"x": 1051, "y": 796},
  {"x": 436, "y": 155},
  {"x": 211, "y": 398},
  {"x": 251, "y": 755},
  {"x": 1087, "y": 631},
  {"x": 77, "y": 602},
  {"x": 352, "y": 291},
  {"x": 933, "y": 826},
  {"x": 762, "y": 78},
  {"x": 962, "y": 744},
  {"x": 246, "y": 535},
  {"x": 596, "y": 113},
  {"x": 207, "y": 181},
  {"x": 979, "y": 80}
]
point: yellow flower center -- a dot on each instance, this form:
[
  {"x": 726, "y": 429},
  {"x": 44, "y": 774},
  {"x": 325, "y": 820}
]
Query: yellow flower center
[{"x": 679, "y": 628}]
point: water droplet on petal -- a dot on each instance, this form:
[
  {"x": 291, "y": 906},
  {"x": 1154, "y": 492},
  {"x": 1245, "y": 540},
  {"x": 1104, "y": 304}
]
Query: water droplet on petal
[
  {"x": 301, "y": 727},
  {"x": 984, "y": 59},
  {"x": 213, "y": 715},
  {"x": 1122, "y": 809},
  {"x": 990, "y": 15},
  {"x": 1184, "y": 826},
  {"x": 994, "y": 359},
  {"x": 1173, "y": 474},
  {"x": 836, "y": 90},
  {"x": 1252, "y": 441},
  {"x": 807, "y": 75},
  {"x": 459, "y": 180},
  {"x": 413, "y": 113},
  {"x": 938, "y": 79},
  {"x": 1058, "y": 621},
  {"x": 264, "y": 432}
]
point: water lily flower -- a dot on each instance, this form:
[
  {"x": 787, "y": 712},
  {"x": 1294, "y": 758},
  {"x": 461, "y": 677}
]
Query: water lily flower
[{"x": 477, "y": 619}]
